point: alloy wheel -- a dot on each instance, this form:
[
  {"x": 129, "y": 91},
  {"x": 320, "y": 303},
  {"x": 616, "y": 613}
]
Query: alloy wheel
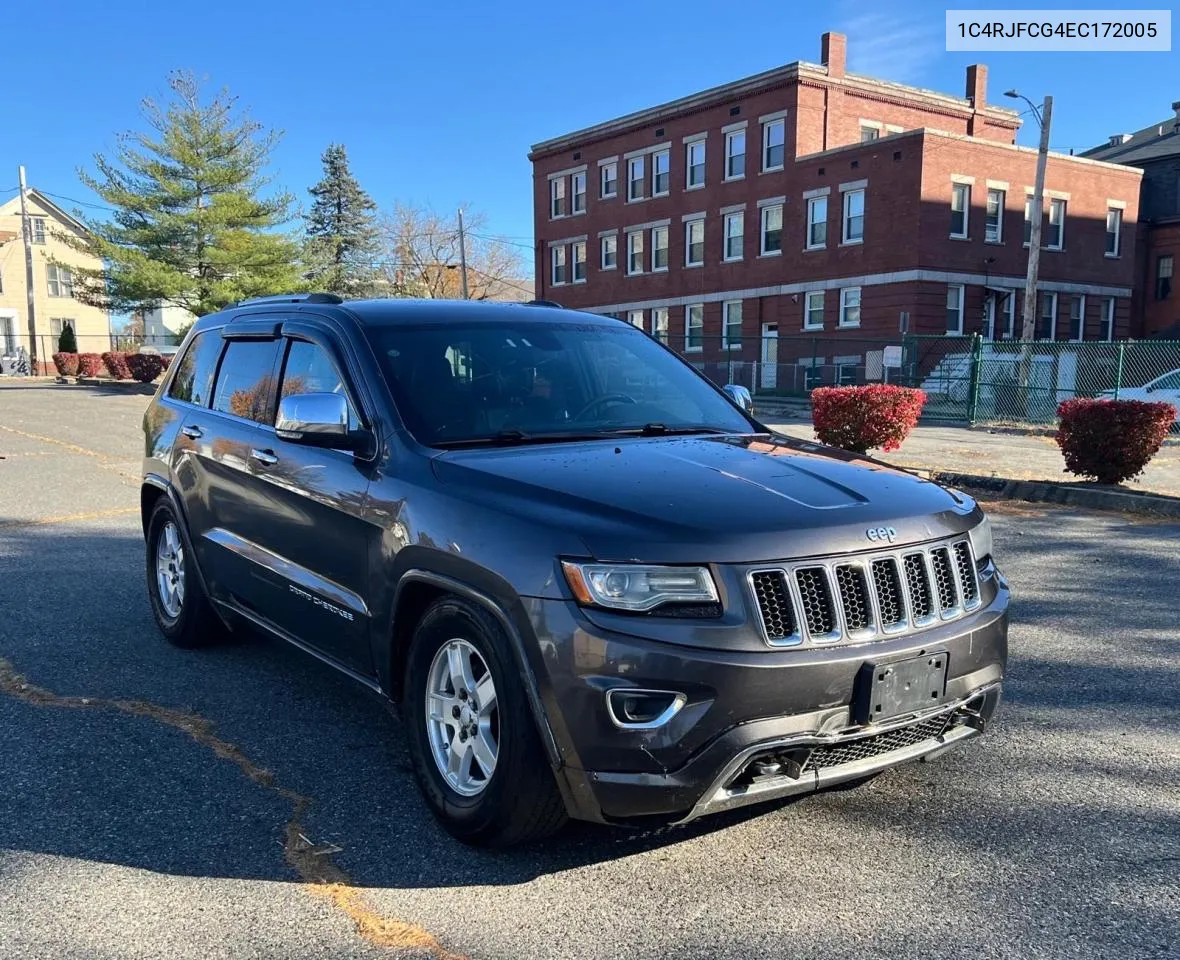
[{"x": 462, "y": 719}]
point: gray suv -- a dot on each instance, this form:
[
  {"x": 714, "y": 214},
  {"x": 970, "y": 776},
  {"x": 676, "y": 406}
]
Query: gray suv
[{"x": 597, "y": 587}]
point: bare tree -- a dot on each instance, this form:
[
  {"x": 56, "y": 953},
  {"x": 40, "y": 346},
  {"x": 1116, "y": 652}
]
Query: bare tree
[{"x": 420, "y": 257}]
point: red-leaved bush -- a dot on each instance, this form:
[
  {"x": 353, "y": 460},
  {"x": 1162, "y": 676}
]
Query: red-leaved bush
[
  {"x": 861, "y": 418},
  {"x": 89, "y": 364},
  {"x": 116, "y": 364},
  {"x": 144, "y": 367},
  {"x": 165, "y": 359},
  {"x": 66, "y": 363},
  {"x": 1111, "y": 440}
]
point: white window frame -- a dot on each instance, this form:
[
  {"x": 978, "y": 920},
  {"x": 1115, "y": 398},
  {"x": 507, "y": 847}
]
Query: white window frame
[
  {"x": 689, "y": 309},
  {"x": 667, "y": 157},
  {"x": 558, "y": 258},
  {"x": 574, "y": 193},
  {"x": 999, "y": 237},
  {"x": 635, "y": 318},
  {"x": 808, "y": 298},
  {"x": 1026, "y": 227},
  {"x": 726, "y": 309},
  {"x": 1080, "y": 299},
  {"x": 59, "y": 281},
  {"x": 574, "y": 248},
  {"x": 846, "y": 294},
  {"x": 1057, "y": 203},
  {"x": 688, "y": 225},
  {"x": 781, "y": 124},
  {"x": 963, "y": 191},
  {"x": 1005, "y": 316},
  {"x": 845, "y": 239},
  {"x": 739, "y": 217},
  {"x": 766, "y": 211},
  {"x": 655, "y": 233},
  {"x": 875, "y": 126},
  {"x": 635, "y": 165},
  {"x": 39, "y": 230},
  {"x": 659, "y": 323},
  {"x": 603, "y": 180},
  {"x": 612, "y": 241},
  {"x": 689, "y": 184},
  {"x": 730, "y": 155},
  {"x": 1117, "y": 214},
  {"x": 557, "y": 192},
  {"x": 961, "y": 308},
  {"x": 633, "y": 250},
  {"x": 1108, "y": 315},
  {"x": 1051, "y": 297},
  {"x": 812, "y": 205}
]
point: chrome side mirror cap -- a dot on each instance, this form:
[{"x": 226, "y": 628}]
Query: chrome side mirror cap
[
  {"x": 315, "y": 419},
  {"x": 740, "y": 396}
]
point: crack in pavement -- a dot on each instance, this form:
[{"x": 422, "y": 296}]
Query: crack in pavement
[
  {"x": 68, "y": 518},
  {"x": 105, "y": 460},
  {"x": 321, "y": 875}
]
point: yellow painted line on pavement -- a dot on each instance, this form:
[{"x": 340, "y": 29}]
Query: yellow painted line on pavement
[
  {"x": 68, "y": 518},
  {"x": 73, "y": 447},
  {"x": 321, "y": 875}
]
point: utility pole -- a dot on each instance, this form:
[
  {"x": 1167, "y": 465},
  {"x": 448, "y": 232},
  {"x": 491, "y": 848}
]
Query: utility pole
[
  {"x": 1044, "y": 117},
  {"x": 462, "y": 256},
  {"x": 27, "y": 231}
]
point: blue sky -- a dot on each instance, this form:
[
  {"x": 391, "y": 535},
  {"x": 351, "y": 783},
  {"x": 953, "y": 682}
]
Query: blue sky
[{"x": 438, "y": 103}]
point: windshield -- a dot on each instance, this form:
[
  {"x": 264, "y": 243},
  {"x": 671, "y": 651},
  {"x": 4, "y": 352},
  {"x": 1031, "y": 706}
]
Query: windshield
[{"x": 495, "y": 381}]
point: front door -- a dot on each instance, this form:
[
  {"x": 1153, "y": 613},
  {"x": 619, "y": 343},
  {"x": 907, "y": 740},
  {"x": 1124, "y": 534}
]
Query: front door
[{"x": 769, "y": 375}]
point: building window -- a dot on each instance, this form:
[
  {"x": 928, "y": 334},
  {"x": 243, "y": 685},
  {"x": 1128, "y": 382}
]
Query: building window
[
  {"x": 993, "y": 229},
  {"x": 1056, "y": 225},
  {"x": 813, "y": 310},
  {"x": 732, "y": 335},
  {"x": 57, "y": 325},
  {"x": 659, "y": 323},
  {"x": 694, "y": 243},
  {"x": 38, "y": 230},
  {"x": 735, "y": 155},
  {"x": 772, "y": 229},
  {"x": 850, "y": 307},
  {"x": 960, "y": 205},
  {"x": 774, "y": 144},
  {"x": 635, "y": 318},
  {"x": 659, "y": 248},
  {"x": 1106, "y": 328},
  {"x": 580, "y": 262},
  {"x": 635, "y": 178},
  {"x": 869, "y": 133},
  {"x": 1048, "y": 321},
  {"x": 1007, "y": 316},
  {"x": 817, "y": 223},
  {"x": 579, "y": 192},
  {"x": 694, "y": 158},
  {"x": 854, "y": 216},
  {"x": 661, "y": 178},
  {"x": 954, "y": 309},
  {"x": 61, "y": 281},
  {"x": 1114, "y": 231},
  {"x": 558, "y": 255},
  {"x": 735, "y": 234},
  {"x": 610, "y": 252},
  {"x": 609, "y": 177},
  {"x": 694, "y": 328},
  {"x": 1028, "y": 219},
  {"x": 635, "y": 252},
  {"x": 1163, "y": 277},
  {"x": 1077, "y": 318},
  {"x": 557, "y": 207}
]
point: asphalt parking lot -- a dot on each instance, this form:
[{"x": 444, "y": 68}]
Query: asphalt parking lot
[{"x": 246, "y": 802}]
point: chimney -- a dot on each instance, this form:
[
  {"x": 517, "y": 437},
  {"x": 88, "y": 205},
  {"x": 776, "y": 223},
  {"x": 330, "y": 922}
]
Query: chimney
[
  {"x": 977, "y": 85},
  {"x": 1176, "y": 109},
  {"x": 833, "y": 50}
]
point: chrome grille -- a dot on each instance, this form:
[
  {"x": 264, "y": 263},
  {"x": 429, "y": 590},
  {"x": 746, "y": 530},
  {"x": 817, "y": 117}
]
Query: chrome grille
[{"x": 864, "y": 597}]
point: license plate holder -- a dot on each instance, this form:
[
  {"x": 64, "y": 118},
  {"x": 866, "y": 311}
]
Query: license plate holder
[{"x": 891, "y": 690}]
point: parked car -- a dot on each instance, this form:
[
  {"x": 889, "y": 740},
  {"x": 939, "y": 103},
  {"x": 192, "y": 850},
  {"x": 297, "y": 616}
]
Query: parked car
[
  {"x": 1165, "y": 388},
  {"x": 625, "y": 604}
]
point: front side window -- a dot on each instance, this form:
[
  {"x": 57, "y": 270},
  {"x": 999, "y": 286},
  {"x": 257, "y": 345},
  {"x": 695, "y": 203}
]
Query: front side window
[
  {"x": 635, "y": 251},
  {"x": 193, "y": 381},
  {"x": 661, "y": 176},
  {"x": 854, "y": 216},
  {"x": 694, "y": 243},
  {"x": 734, "y": 235},
  {"x": 733, "y": 325},
  {"x": 245, "y": 380},
  {"x": 1163, "y": 277},
  {"x": 694, "y": 327},
  {"x": 60, "y": 281},
  {"x": 817, "y": 223},
  {"x": 695, "y": 162},
  {"x": 774, "y": 140},
  {"x": 635, "y": 178},
  {"x": 993, "y": 230},
  {"x": 1048, "y": 324},
  {"x": 735, "y": 154},
  {"x": 659, "y": 324},
  {"x": 1106, "y": 331},
  {"x": 1056, "y": 225},
  {"x": 813, "y": 310},
  {"x": 1077, "y": 317},
  {"x": 609, "y": 179},
  {"x": 579, "y": 261},
  {"x": 309, "y": 369},
  {"x": 610, "y": 252},
  {"x": 954, "y": 308},
  {"x": 659, "y": 248},
  {"x": 559, "y": 274},
  {"x": 772, "y": 229},
  {"x": 557, "y": 207},
  {"x": 960, "y": 204},
  {"x": 1114, "y": 231},
  {"x": 850, "y": 307},
  {"x": 579, "y": 180}
]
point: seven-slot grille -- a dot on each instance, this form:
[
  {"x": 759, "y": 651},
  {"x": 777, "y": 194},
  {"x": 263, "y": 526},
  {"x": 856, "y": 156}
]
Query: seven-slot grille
[{"x": 856, "y": 599}]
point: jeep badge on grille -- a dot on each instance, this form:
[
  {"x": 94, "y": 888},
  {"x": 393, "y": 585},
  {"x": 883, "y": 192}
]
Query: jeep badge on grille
[{"x": 877, "y": 534}]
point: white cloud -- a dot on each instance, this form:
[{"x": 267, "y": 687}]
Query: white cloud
[{"x": 890, "y": 48}]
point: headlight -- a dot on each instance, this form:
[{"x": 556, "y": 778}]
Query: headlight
[
  {"x": 981, "y": 539},
  {"x": 638, "y": 587}
]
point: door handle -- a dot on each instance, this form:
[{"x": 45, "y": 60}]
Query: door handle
[
  {"x": 265, "y": 457},
  {"x": 191, "y": 430}
]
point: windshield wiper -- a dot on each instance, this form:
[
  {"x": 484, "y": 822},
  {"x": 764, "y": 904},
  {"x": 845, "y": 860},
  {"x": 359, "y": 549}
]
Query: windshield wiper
[
  {"x": 511, "y": 438},
  {"x": 663, "y": 430}
]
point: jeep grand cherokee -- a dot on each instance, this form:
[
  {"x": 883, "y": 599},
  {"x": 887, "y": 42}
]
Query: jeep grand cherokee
[{"x": 596, "y": 585}]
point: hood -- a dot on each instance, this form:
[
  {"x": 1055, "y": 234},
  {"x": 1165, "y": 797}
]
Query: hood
[{"x": 706, "y": 498}]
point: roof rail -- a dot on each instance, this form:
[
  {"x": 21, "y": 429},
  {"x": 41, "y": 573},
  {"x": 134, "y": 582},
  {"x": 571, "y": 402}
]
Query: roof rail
[
  {"x": 291, "y": 298},
  {"x": 542, "y": 303}
]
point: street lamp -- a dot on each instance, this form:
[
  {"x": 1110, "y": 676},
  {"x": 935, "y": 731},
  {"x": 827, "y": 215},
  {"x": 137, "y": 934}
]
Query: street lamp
[{"x": 1044, "y": 117}]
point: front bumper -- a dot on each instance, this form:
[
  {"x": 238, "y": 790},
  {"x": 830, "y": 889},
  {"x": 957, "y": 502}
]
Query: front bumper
[{"x": 744, "y": 709}]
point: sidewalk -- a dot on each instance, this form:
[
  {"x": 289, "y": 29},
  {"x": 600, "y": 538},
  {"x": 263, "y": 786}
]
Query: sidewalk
[{"x": 975, "y": 450}]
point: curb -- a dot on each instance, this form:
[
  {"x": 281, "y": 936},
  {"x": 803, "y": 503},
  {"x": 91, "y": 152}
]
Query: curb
[
  {"x": 1068, "y": 494},
  {"x": 127, "y": 386}
]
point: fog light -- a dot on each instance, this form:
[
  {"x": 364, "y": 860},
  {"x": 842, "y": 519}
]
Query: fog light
[{"x": 632, "y": 709}]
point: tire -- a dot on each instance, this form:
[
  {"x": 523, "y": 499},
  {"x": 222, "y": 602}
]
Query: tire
[
  {"x": 186, "y": 619},
  {"x": 519, "y": 801}
]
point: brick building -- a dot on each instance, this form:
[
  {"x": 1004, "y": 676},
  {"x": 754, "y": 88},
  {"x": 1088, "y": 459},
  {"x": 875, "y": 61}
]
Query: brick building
[{"x": 809, "y": 200}]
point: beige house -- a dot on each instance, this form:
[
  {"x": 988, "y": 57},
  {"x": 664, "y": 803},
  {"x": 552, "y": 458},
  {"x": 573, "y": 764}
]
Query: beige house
[{"x": 53, "y": 287}]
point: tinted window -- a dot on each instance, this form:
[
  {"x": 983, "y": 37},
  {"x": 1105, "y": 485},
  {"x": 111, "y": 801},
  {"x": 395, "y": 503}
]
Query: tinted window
[
  {"x": 310, "y": 370},
  {"x": 245, "y": 382},
  {"x": 193, "y": 382}
]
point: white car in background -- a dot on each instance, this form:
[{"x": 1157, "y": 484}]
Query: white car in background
[{"x": 1165, "y": 389}]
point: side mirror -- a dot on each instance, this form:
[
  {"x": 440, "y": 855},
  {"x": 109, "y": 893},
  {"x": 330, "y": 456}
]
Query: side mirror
[
  {"x": 317, "y": 420},
  {"x": 740, "y": 396}
]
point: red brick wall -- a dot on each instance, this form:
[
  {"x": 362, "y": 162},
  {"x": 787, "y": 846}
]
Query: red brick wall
[{"x": 1161, "y": 240}]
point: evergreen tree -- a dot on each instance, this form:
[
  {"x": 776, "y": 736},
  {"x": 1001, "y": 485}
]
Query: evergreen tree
[
  {"x": 342, "y": 236},
  {"x": 67, "y": 342},
  {"x": 193, "y": 224}
]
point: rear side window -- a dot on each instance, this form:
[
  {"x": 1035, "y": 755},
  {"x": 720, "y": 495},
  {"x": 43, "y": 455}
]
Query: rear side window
[
  {"x": 245, "y": 382},
  {"x": 310, "y": 370},
  {"x": 193, "y": 382}
]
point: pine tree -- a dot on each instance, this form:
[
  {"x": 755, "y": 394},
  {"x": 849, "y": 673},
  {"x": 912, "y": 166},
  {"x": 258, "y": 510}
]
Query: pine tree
[
  {"x": 193, "y": 224},
  {"x": 342, "y": 236},
  {"x": 67, "y": 342}
]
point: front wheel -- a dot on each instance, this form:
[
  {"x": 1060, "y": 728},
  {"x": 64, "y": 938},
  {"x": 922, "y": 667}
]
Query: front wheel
[
  {"x": 472, "y": 738},
  {"x": 182, "y": 611}
]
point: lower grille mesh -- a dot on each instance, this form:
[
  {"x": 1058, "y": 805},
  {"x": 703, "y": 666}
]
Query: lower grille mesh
[{"x": 866, "y": 747}]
